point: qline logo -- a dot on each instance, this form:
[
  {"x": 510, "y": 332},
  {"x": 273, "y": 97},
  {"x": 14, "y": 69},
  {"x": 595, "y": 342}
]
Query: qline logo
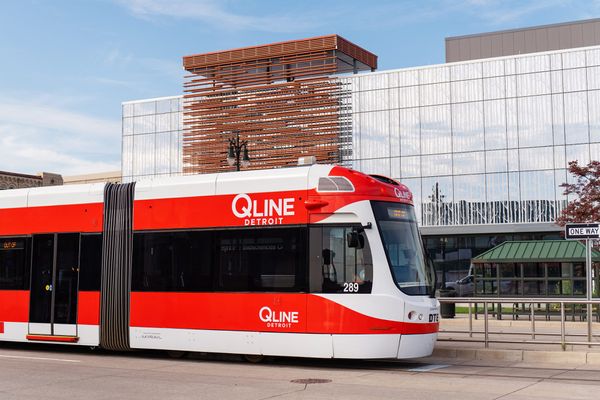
[
  {"x": 278, "y": 319},
  {"x": 402, "y": 194},
  {"x": 265, "y": 212}
]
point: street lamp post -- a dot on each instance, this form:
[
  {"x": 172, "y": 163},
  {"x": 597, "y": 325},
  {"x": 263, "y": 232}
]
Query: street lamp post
[{"x": 238, "y": 152}]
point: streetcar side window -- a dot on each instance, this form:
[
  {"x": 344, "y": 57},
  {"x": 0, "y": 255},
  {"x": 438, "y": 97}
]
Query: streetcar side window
[
  {"x": 240, "y": 260},
  {"x": 262, "y": 260},
  {"x": 90, "y": 262},
  {"x": 14, "y": 263},
  {"x": 172, "y": 261},
  {"x": 336, "y": 265}
]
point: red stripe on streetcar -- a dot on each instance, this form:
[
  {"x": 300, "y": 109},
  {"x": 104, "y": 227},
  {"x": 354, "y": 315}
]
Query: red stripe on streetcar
[
  {"x": 50, "y": 338},
  {"x": 260, "y": 312},
  {"x": 14, "y": 305},
  {"x": 55, "y": 219},
  {"x": 214, "y": 211},
  {"x": 88, "y": 308}
]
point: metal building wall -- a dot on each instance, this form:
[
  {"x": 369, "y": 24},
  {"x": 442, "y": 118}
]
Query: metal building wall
[{"x": 523, "y": 41}]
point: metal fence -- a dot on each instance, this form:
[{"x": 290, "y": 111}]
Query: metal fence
[{"x": 557, "y": 306}]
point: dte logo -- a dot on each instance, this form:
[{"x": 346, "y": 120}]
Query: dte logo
[{"x": 266, "y": 212}]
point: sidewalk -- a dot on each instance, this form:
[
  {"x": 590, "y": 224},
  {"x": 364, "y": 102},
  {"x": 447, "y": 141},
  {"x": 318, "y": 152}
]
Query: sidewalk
[{"x": 458, "y": 345}]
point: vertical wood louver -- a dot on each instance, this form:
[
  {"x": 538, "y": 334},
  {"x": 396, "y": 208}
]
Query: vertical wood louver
[{"x": 282, "y": 98}]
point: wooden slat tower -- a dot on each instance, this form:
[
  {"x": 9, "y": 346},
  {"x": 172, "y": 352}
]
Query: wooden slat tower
[{"x": 282, "y": 98}]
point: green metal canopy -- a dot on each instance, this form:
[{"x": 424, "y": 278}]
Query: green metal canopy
[{"x": 536, "y": 251}]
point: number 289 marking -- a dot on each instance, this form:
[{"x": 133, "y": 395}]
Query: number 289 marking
[{"x": 350, "y": 287}]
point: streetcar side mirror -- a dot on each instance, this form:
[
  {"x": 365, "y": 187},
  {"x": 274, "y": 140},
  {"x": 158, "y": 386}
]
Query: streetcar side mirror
[{"x": 355, "y": 240}]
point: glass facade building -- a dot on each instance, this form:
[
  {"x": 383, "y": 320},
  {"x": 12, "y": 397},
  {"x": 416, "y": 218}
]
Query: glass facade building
[
  {"x": 481, "y": 142},
  {"x": 484, "y": 145},
  {"x": 152, "y": 132}
]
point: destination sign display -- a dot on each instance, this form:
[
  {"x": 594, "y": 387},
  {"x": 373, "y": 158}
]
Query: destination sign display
[{"x": 582, "y": 231}]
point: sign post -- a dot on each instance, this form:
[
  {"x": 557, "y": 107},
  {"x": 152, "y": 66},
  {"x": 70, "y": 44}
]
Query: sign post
[{"x": 587, "y": 232}]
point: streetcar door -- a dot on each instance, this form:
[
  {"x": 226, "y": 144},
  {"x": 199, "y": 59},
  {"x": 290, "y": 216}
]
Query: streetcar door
[{"x": 54, "y": 281}]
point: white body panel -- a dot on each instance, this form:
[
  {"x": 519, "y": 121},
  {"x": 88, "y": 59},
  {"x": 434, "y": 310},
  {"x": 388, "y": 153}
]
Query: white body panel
[
  {"x": 296, "y": 345},
  {"x": 36, "y": 328},
  {"x": 195, "y": 340},
  {"x": 365, "y": 346},
  {"x": 274, "y": 344},
  {"x": 415, "y": 346},
  {"x": 14, "y": 198},
  {"x": 15, "y": 332},
  {"x": 68, "y": 194},
  {"x": 227, "y": 183},
  {"x": 89, "y": 335},
  {"x": 65, "y": 329}
]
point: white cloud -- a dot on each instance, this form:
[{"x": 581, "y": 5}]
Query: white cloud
[
  {"x": 215, "y": 13},
  {"x": 38, "y": 137}
]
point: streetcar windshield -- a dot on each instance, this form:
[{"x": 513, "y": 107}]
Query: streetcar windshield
[{"x": 403, "y": 247}]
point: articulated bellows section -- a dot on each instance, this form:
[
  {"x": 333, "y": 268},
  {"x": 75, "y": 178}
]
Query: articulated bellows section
[{"x": 117, "y": 255}]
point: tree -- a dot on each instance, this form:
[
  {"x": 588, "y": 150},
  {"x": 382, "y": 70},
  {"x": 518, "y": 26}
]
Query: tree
[{"x": 586, "y": 188}]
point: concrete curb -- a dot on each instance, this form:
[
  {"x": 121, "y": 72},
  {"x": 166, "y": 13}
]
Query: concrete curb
[{"x": 532, "y": 356}]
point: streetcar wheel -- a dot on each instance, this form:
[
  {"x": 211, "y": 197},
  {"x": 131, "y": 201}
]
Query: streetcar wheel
[
  {"x": 176, "y": 353},
  {"x": 253, "y": 358}
]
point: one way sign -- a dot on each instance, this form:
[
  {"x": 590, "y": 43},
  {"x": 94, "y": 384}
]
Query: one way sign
[{"x": 582, "y": 231}]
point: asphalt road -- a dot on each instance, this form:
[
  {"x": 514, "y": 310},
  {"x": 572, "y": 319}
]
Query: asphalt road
[{"x": 51, "y": 372}]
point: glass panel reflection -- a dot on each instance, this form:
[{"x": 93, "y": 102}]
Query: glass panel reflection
[
  {"x": 494, "y": 88},
  {"x": 144, "y": 108},
  {"x": 535, "y": 121},
  {"x": 410, "y": 136},
  {"x": 435, "y": 129},
  {"x": 578, "y": 152},
  {"x": 440, "y": 164},
  {"x": 437, "y": 207},
  {"x": 463, "y": 91},
  {"x": 163, "y": 153},
  {"x": 470, "y": 206},
  {"x": 143, "y": 163},
  {"x": 410, "y": 167},
  {"x": 435, "y": 94},
  {"x": 536, "y": 158},
  {"x": 534, "y": 84},
  {"x": 495, "y": 124},
  {"x": 467, "y": 122},
  {"x": 496, "y": 161},
  {"x": 576, "y": 118},
  {"x": 468, "y": 163},
  {"x": 374, "y": 134},
  {"x": 574, "y": 79},
  {"x": 497, "y": 205}
]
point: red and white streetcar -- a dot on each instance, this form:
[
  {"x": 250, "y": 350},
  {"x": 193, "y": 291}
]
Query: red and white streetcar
[{"x": 317, "y": 261}]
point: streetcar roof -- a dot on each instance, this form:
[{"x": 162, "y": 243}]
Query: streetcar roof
[{"x": 254, "y": 181}]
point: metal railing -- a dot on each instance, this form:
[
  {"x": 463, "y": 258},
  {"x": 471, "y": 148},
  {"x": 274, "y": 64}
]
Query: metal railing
[{"x": 558, "y": 303}]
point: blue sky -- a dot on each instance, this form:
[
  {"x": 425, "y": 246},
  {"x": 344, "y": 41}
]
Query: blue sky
[{"x": 66, "y": 66}]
